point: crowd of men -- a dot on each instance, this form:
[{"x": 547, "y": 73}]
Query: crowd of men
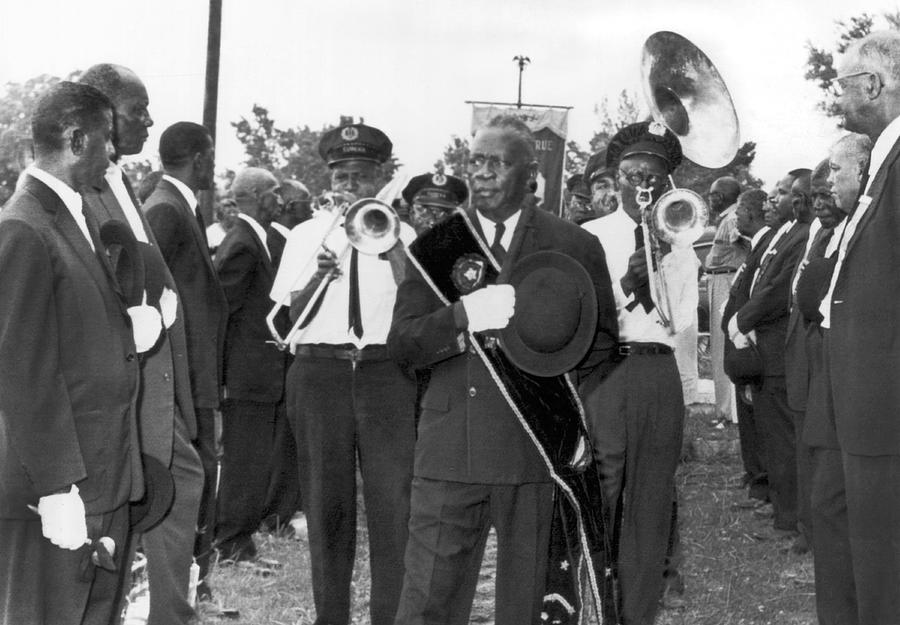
[{"x": 493, "y": 367}]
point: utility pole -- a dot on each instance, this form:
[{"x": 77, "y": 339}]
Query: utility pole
[
  {"x": 522, "y": 61},
  {"x": 211, "y": 93}
]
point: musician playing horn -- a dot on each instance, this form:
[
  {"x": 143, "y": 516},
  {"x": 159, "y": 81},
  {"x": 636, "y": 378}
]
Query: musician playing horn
[
  {"x": 345, "y": 398},
  {"x": 636, "y": 413}
]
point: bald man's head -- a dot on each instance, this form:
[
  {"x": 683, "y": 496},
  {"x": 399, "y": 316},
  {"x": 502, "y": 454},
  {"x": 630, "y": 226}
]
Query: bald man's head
[
  {"x": 129, "y": 97},
  {"x": 258, "y": 194},
  {"x": 723, "y": 193}
]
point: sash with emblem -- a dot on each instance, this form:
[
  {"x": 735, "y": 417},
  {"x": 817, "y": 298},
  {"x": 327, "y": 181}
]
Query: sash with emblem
[{"x": 454, "y": 261}]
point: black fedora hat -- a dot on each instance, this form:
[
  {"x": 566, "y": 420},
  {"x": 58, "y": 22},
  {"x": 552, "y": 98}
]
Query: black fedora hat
[
  {"x": 126, "y": 257},
  {"x": 556, "y": 314},
  {"x": 159, "y": 492}
]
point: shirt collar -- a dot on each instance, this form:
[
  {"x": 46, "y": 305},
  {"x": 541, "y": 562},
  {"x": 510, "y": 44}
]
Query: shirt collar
[
  {"x": 758, "y": 236},
  {"x": 70, "y": 197},
  {"x": 258, "y": 229},
  {"x": 882, "y": 147},
  {"x": 509, "y": 224},
  {"x": 281, "y": 228},
  {"x": 185, "y": 190}
]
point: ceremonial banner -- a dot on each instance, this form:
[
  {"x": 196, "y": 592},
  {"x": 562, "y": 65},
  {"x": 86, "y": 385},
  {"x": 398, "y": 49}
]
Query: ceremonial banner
[{"x": 550, "y": 127}]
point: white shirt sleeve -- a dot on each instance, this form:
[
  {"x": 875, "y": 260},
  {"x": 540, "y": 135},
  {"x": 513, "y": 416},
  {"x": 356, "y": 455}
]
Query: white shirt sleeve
[{"x": 680, "y": 268}]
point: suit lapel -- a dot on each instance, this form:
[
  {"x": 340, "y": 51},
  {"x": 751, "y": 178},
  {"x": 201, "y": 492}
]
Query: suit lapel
[
  {"x": 875, "y": 193},
  {"x": 73, "y": 235},
  {"x": 261, "y": 250},
  {"x": 199, "y": 235},
  {"x": 522, "y": 243}
]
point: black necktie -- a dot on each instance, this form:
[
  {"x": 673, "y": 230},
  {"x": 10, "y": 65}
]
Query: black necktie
[
  {"x": 642, "y": 294},
  {"x": 99, "y": 248},
  {"x": 355, "y": 315},
  {"x": 497, "y": 248}
]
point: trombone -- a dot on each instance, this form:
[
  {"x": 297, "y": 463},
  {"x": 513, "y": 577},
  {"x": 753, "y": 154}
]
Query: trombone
[{"x": 372, "y": 227}]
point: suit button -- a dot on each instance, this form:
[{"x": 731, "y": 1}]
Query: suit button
[
  {"x": 472, "y": 391},
  {"x": 129, "y": 357},
  {"x": 166, "y": 376}
]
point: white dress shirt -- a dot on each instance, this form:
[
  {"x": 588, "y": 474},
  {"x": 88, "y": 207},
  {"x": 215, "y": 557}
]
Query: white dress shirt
[
  {"x": 489, "y": 229},
  {"x": 185, "y": 191},
  {"x": 113, "y": 176},
  {"x": 770, "y": 249},
  {"x": 616, "y": 234},
  {"x": 886, "y": 140},
  {"x": 377, "y": 289},
  {"x": 258, "y": 231},
  {"x": 70, "y": 198}
]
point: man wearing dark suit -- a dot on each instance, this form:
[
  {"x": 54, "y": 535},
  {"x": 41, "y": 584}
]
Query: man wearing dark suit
[
  {"x": 187, "y": 154},
  {"x": 835, "y": 588},
  {"x": 68, "y": 378},
  {"x": 765, "y": 314},
  {"x": 751, "y": 224},
  {"x": 474, "y": 465},
  {"x": 254, "y": 366},
  {"x": 165, "y": 407},
  {"x": 860, "y": 312}
]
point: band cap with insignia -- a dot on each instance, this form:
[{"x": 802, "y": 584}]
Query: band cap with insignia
[
  {"x": 651, "y": 138},
  {"x": 596, "y": 167},
  {"x": 576, "y": 186},
  {"x": 355, "y": 142},
  {"x": 436, "y": 189}
]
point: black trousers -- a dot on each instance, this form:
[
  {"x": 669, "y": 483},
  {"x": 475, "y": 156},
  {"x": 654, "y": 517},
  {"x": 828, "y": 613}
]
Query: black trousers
[
  {"x": 751, "y": 445},
  {"x": 206, "y": 518},
  {"x": 42, "y": 584},
  {"x": 283, "y": 496},
  {"x": 448, "y": 527},
  {"x": 346, "y": 417},
  {"x": 775, "y": 422},
  {"x": 636, "y": 418},
  {"x": 169, "y": 545},
  {"x": 248, "y": 449}
]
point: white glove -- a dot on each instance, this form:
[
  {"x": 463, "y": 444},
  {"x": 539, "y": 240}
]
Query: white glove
[
  {"x": 490, "y": 308},
  {"x": 62, "y": 519},
  {"x": 146, "y": 324},
  {"x": 168, "y": 306}
]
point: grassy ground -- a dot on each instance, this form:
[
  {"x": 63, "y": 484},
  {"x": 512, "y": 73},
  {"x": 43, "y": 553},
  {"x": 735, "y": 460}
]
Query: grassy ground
[{"x": 734, "y": 574}]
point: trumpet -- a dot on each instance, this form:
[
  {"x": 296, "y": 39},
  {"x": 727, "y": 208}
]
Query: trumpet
[{"x": 372, "y": 227}]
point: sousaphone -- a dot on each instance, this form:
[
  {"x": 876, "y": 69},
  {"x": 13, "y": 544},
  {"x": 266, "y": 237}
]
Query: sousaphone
[{"x": 685, "y": 93}]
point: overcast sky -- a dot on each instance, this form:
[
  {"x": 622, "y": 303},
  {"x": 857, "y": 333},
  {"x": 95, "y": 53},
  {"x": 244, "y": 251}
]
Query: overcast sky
[{"x": 408, "y": 66}]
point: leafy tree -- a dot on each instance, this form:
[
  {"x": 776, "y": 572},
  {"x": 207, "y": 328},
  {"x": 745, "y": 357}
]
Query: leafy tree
[
  {"x": 290, "y": 152},
  {"x": 456, "y": 153},
  {"x": 16, "y": 105},
  {"x": 820, "y": 61}
]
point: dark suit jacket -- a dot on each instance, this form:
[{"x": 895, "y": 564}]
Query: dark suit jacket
[
  {"x": 768, "y": 307},
  {"x": 275, "y": 241},
  {"x": 183, "y": 246},
  {"x": 467, "y": 432},
  {"x": 68, "y": 371},
  {"x": 743, "y": 278},
  {"x": 254, "y": 367},
  {"x": 165, "y": 381},
  {"x": 863, "y": 346},
  {"x": 799, "y": 333}
]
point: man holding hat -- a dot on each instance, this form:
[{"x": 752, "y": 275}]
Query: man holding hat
[
  {"x": 432, "y": 197},
  {"x": 345, "y": 398},
  {"x": 477, "y": 464},
  {"x": 636, "y": 413}
]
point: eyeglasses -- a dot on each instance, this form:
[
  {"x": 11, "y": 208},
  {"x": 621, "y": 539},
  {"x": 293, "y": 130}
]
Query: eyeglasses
[
  {"x": 494, "y": 163},
  {"x": 639, "y": 179},
  {"x": 838, "y": 82}
]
